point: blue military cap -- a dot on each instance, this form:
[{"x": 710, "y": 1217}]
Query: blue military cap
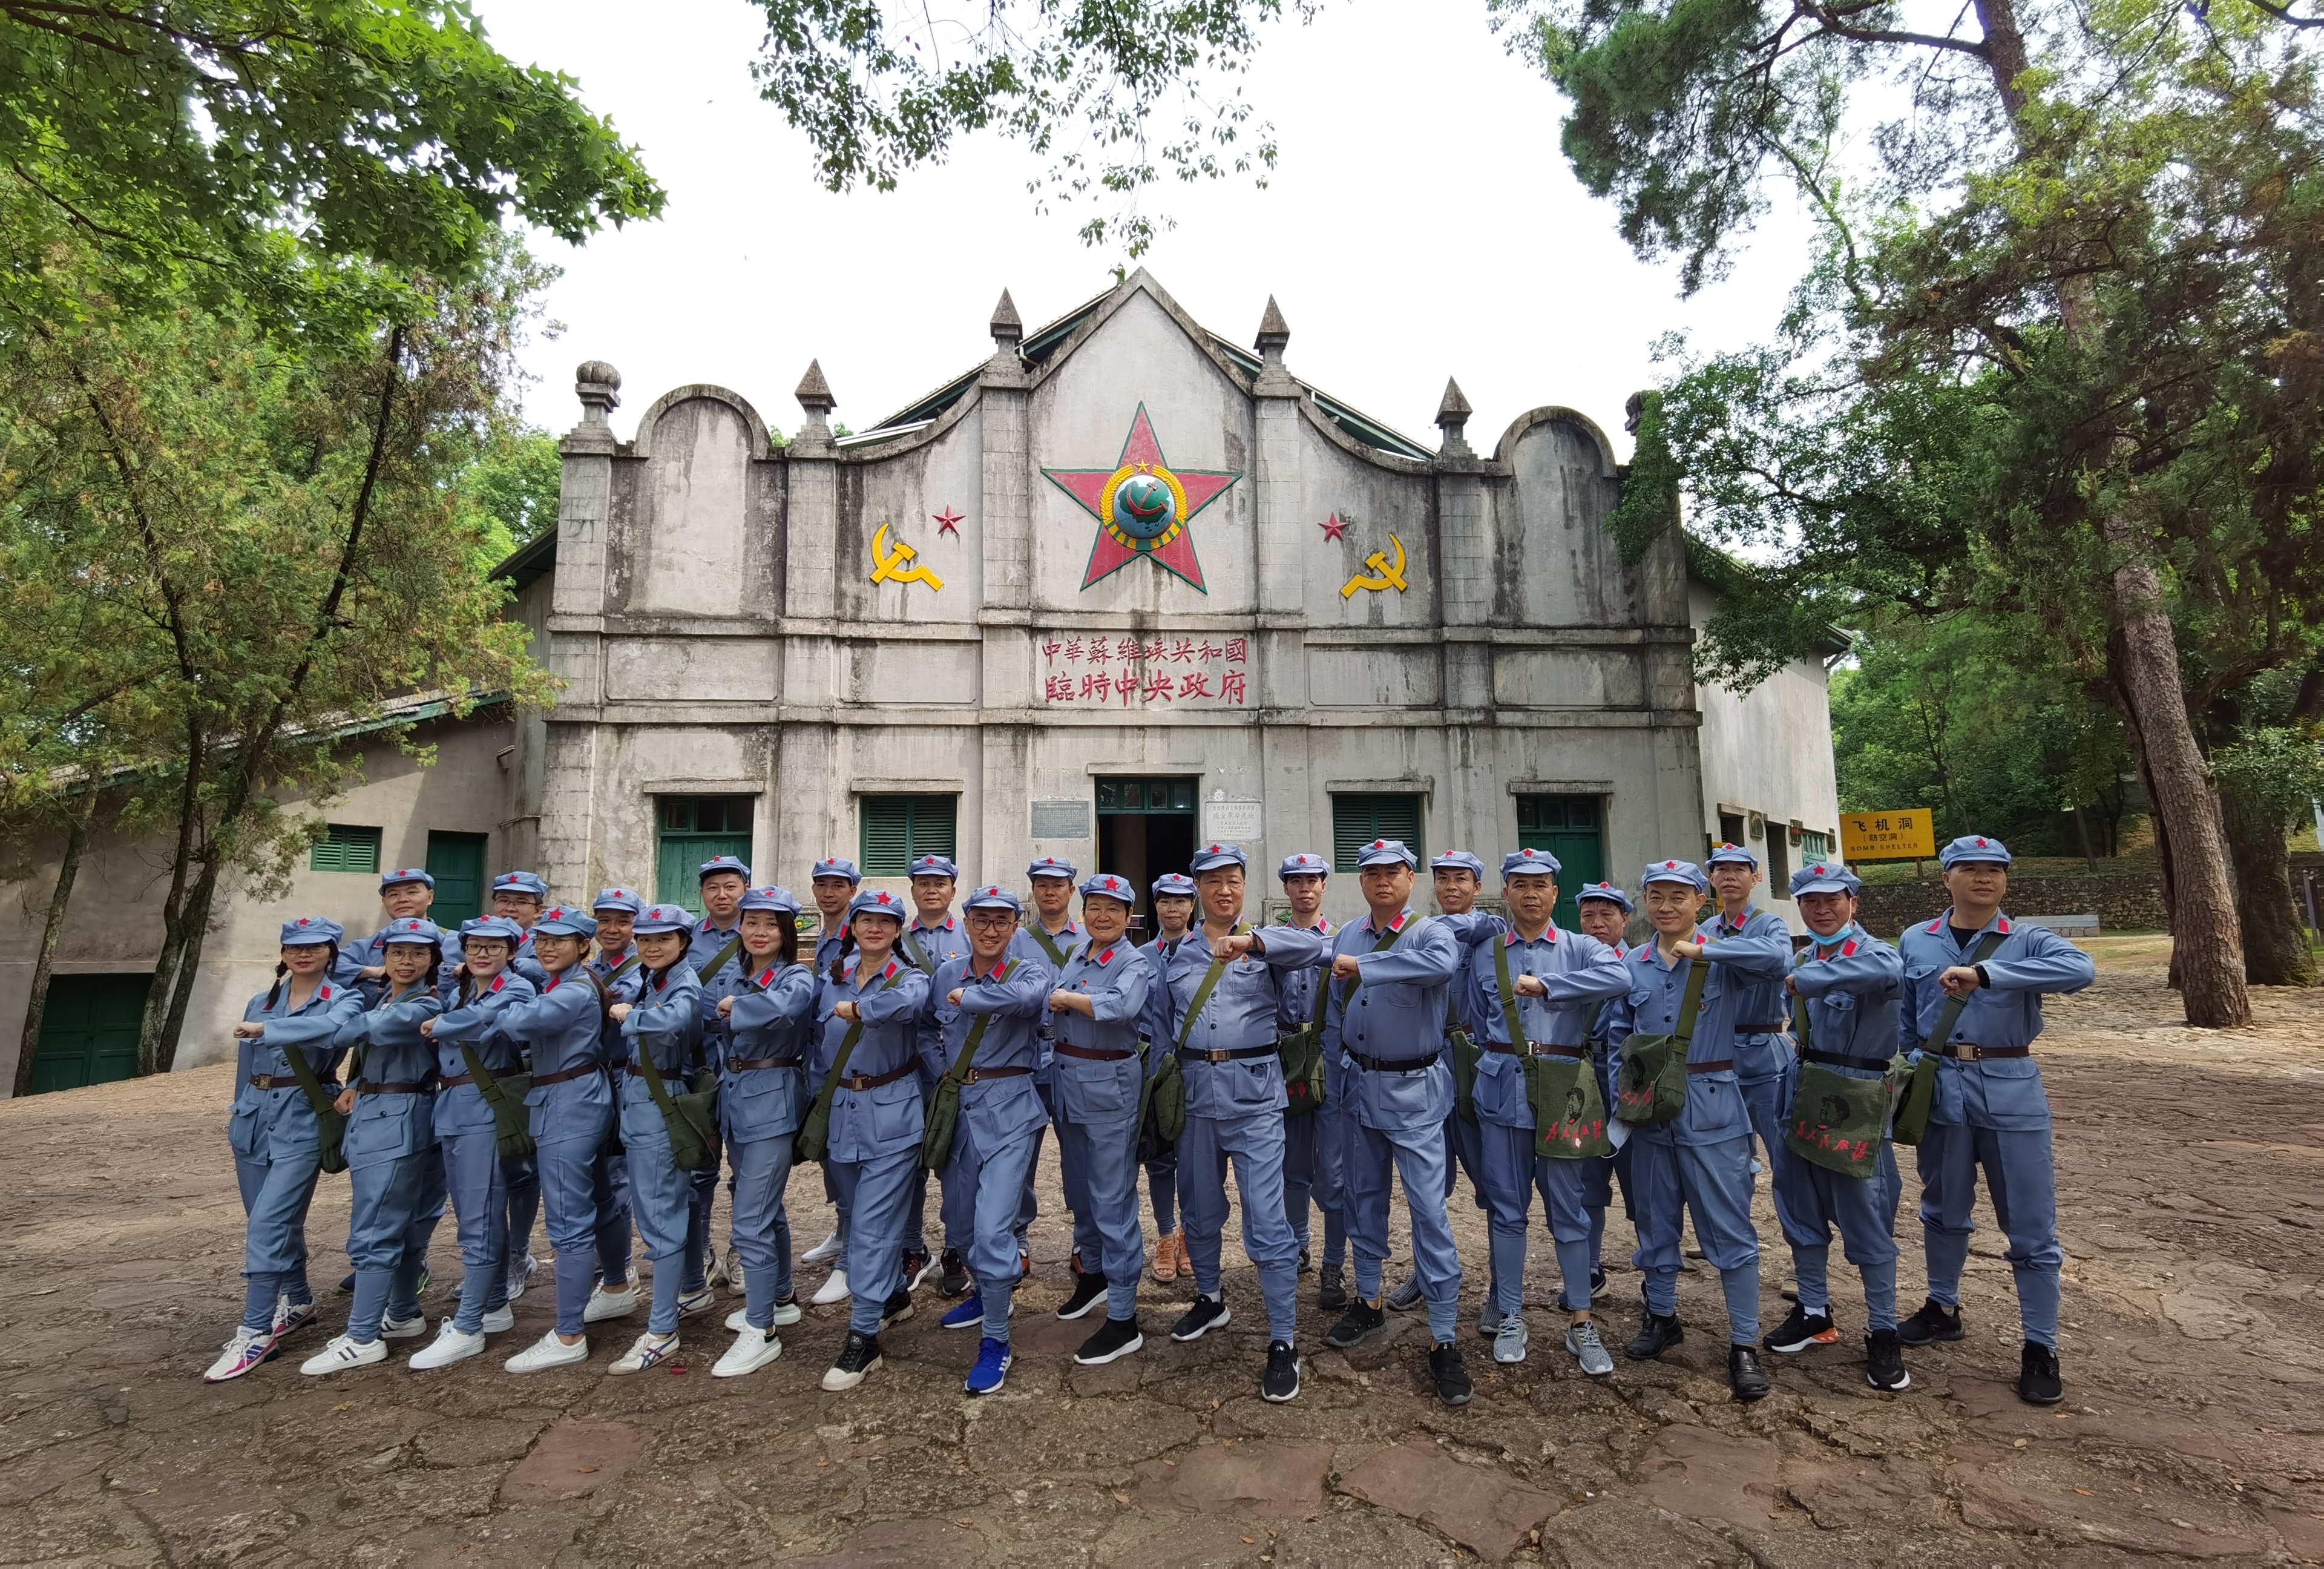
[
  {"x": 834, "y": 866},
  {"x": 1385, "y": 852},
  {"x": 493, "y": 926},
  {"x": 311, "y": 931},
  {"x": 414, "y": 931},
  {"x": 935, "y": 866},
  {"x": 420, "y": 874},
  {"x": 992, "y": 896},
  {"x": 1973, "y": 847},
  {"x": 1685, "y": 872},
  {"x": 1607, "y": 892},
  {"x": 1304, "y": 864},
  {"x": 718, "y": 864},
  {"x": 1106, "y": 885},
  {"x": 1173, "y": 885},
  {"x": 1460, "y": 861},
  {"x": 1530, "y": 864},
  {"x": 1211, "y": 857},
  {"x": 521, "y": 882},
  {"x": 778, "y": 899},
  {"x": 1725, "y": 854},
  {"x": 560, "y": 922},
  {"x": 1825, "y": 877},
  {"x": 875, "y": 901},
  {"x": 618, "y": 898},
  {"x": 1052, "y": 866},
  {"x": 663, "y": 918}
]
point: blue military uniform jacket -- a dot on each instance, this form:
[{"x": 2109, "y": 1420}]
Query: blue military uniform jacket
[
  {"x": 562, "y": 1027},
  {"x": 866, "y": 1124},
  {"x": 2003, "y": 1094},
  {"x": 281, "y": 1119},
  {"x": 1161, "y": 1023},
  {"x": 461, "y": 1109},
  {"x": 1015, "y": 997},
  {"x": 1853, "y": 983},
  {"x": 1393, "y": 1013},
  {"x": 1715, "y": 1111},
  {"x": 704, "y": 943},
  {"x": 667, "y": 1021},
  {"x": 1762, "y": 1010},
  {"x": 387, "y": 1048},
  {"x": 1119, "y": 981},
  {"x": 772, "y": 1025},
  {"x": 1241, "y": 1014},
  {"x": 1580, "y": 971}
]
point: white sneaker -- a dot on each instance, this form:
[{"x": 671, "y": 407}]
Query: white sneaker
[
  {"x": 342, "y": 1353},
  {"x": 825, "y": 1250},
  {"x": 449, "y": 1346},
  {"x": 288, "y": 1319},
  {"x": 247, "y": 1348},
  {"x": 500, "y": 1321},
  {"x": 547, "y": 1351},
  {"x": 787, "y": 1313},
  {"x": 832, "y": 1290},
  {"x": 739, "y": 1320},
  {"x": 403, "y": 1328},
  {"x": 651, "y": 1350},
  {"x": 604, "y": 1305},
  {"x": 698, "y": 1303},
  {"x": 1509, "y": 1342},
  {"x": 751, "y": 1352}
]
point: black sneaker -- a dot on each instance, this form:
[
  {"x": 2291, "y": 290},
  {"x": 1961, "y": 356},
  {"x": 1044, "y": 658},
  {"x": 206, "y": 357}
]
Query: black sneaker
[
  {"x": 1331, "y": 1288},
  {"x": 916, "y": 1268},
  {"x": 953, "y": 1282},
  {"x": 1281, "y": 1381},
  {"x": 1800, "y": 1330},
  {"x": 2038, "y": 1383},
  {"x": 1359, "y": 1323},
  {"x": 897, "y": 1308},
  {"x": 1884, "y": 1361},
  {"x": 346, "y": 1287},
  {"x": 1597, "y": 1281},
  {"x": 1450, "y": 1375},
  {"x": 1408, "y": 1296},
  {"x": 1305, "y": 1267},
  {"x": 1089, "y": 1290},
  {"x": 1207, "y": 1313},
  {"x": 858, "y": 1357},
  {"x": 1114, "y": 1339},
  {"x": 1934, "y": 1321},
  {"x": 1745, "y": 1376},
  {"x": 1660, "y": 1332}
]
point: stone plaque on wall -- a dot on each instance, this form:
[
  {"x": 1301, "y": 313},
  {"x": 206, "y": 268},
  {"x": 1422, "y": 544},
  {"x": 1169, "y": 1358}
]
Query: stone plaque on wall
[
  {"x": 1236, "y": 821},
  {"x": 1061, "y": 820}
]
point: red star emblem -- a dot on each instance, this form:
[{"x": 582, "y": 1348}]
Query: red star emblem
[
  {"x": 948, "y": 521},
  {"x": 1333, "y": 529},
  {"x": 1142, "y": 506}
]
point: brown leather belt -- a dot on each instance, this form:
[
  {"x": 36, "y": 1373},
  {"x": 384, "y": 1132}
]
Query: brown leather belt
[
  {"x": 453, "y": 1082},
  {"x": 1241, "y": 1054},
  {"x": 1969, "y": 1051},
  {"x": 284, "y": 1082},
  {"x": 861, "y": 1082},
  {"x": 565, "y": 1075},
  {"x": 1720, "y": 1066},
  {"x": 1091, "y": 1054},
  {"x": 744, "y": 1064},
  {"x": 977, "y": 1075},
  {"x": 405, "y": 1087}
]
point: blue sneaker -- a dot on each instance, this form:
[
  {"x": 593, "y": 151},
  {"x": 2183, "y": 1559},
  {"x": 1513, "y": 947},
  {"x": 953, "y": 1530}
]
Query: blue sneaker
[
  {"x": 991, "y": 1368},
  {"x": 968, "y": 1313}
]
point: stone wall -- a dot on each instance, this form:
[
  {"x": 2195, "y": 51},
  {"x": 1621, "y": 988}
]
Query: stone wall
[{"x": 2122, "y": 903}]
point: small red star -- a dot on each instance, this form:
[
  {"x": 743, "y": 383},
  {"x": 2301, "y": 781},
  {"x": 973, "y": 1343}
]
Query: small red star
[
  {"x": 945, "y": 522},
  {"x": 1333, "y": 528}
]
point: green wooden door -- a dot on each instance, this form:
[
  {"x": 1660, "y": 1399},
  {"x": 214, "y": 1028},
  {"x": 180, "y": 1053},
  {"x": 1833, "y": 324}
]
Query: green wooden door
[
  {"x": 1570, "y": 828},
  {"x": 692, "y": 830},
  {"x": 88, "y": 1034},
  {"x": 457, "y": 863}
]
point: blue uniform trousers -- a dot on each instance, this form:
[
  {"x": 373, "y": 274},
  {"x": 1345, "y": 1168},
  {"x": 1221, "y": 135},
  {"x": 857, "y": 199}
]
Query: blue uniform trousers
[
  {"x": 609, "y": 1189},
  {"x": 384, "y": 1199},
  {"x": 876, "y": 1197},
  {"x": 1420, "y": 1156},
  {"x": 2023, "y": 1183},
  {"x": 1714, "y": 1181},
  {"x": 1465, "y": 1150},
  {"x": 1821, "y": 1200},
  {"x": 993, "y": 1182},
  {"x": 1512, "y": 1174},
  {"x": 521, "y": 1177},
  {"x": 1162, "y": 1191},
  {"x": 1601, "y": 1180},
  {"x": 277, "y": 1185},
  {"x": 1106, "y": 1234},
  {"x": 662, "y": 1199},
  {"x": 701, "y": 1194},
  {"x": 1254, "y": 1142},
  {"x": 1315, "y": 1161},
  {"x": 472, "y": 1174},
  {"x": 568, "y": 1183},
  {"x": 762, "y": 1233},
  {"x": 1029, "y": 1208}
]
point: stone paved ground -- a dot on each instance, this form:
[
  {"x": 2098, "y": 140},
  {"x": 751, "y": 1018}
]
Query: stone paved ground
[{"x": 2193, "y": 1183}]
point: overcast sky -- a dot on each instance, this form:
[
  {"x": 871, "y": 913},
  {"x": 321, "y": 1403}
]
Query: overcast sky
[{"x": 1421, "y": 224}]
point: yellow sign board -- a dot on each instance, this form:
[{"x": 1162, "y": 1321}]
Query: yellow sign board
[{"x": 1901, "y": 835}]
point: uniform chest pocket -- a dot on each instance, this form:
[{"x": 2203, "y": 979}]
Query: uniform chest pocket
[
  {"x": 1247, "y": 1085},
  {"x": 1839, "y": 1001},
  {"x": 383, "y": 1108}
]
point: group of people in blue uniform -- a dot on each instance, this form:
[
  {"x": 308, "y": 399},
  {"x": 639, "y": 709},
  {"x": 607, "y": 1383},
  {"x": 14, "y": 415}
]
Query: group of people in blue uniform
[{"x": 596, "y": 1069}]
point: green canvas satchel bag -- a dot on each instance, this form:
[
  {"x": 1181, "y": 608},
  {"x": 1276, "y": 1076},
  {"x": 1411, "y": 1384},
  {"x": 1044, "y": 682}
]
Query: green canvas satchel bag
[
  {"x": 812, "y": 1141},
  {"x": 944, "y": 1105},
  {"x": 1651, "y": 1087},
  {"x": 1919, "y": 1095},
  {"x": 1569, "y": 1109},
  {"x": 330, "y": 1127}
]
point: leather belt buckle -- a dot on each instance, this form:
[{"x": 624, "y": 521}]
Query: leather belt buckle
[{"x": 1546, "y": 1048}]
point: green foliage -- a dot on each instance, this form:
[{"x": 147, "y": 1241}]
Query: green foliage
[
  {"x": 1114, "y": 94},
  {"x": 508, "y": 492}
]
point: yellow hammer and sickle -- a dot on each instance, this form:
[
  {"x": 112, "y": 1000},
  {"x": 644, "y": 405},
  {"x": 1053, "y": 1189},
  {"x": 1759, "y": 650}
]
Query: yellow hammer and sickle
[
  {"x": 1389, "y": 576},
  {"x": 890, "y": 566}
]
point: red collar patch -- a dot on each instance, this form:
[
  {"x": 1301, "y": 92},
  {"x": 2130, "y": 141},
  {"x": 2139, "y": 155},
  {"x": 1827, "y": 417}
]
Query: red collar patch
[
  {"x": 766, "y": 975},
  {"x": 1937, "y": 925},
  {"x": 2002, "y": 926},
  {"x": 889, "y": 972},
  {"x": 324, "y": 994},
  {"x": 1106, "y": 957},
  {"x": 499, "y": 981}
]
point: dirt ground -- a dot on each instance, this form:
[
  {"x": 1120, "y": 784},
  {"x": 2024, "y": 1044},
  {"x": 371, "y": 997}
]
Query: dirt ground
[{"x": 2192, "y": 1181}]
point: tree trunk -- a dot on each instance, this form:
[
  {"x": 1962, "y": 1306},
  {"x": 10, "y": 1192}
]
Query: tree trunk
[
  {"x": 37, "y": 1007},
  {"x": 2082, "y": 829},
  {"x": 196, "y": 926},
  {"x": 2275, "y": 941}
]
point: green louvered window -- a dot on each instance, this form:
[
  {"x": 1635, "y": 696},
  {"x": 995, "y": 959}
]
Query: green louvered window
[
  {"x": 343, "y": 848},
  {"x": 899, "y": 828},
  {"x": 1358, "y": 821}
]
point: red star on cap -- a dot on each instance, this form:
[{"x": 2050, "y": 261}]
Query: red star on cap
[
  {"x": 1980, "y": 841},
  {"x": 1528, "y": 854},
  {"x": 1670, "y": 865}
]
